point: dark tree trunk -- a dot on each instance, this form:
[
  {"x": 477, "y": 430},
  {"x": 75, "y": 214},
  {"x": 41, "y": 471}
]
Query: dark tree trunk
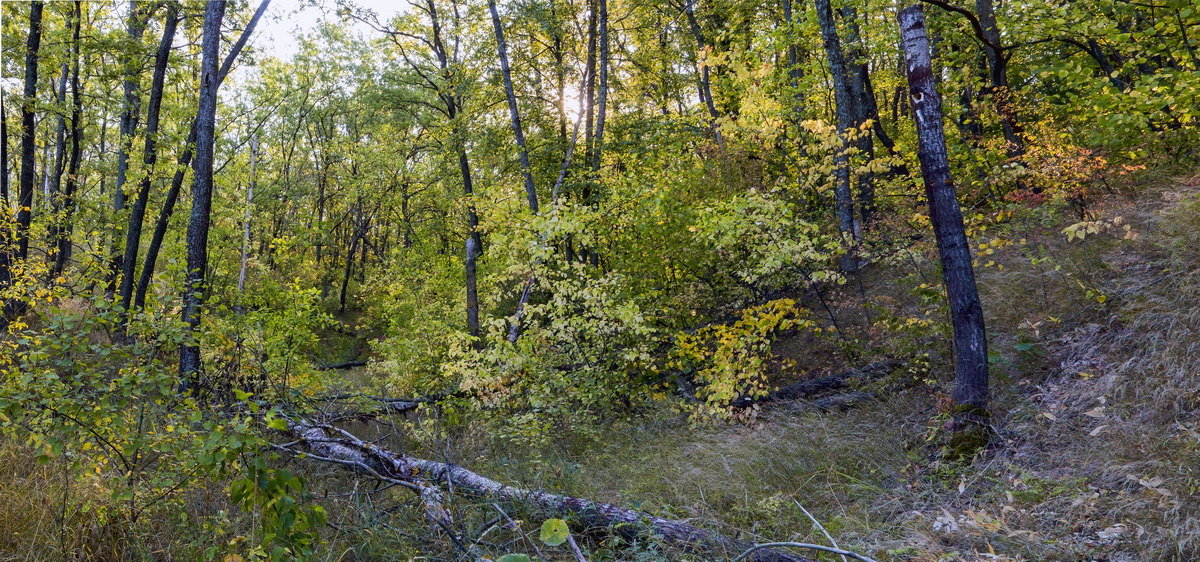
[
  {"x": 181, "y": 164},
  {"x": 795, "y": 70},
  {"x": 470, "y": 265},
  {"x": 513, "y": 112},
  {"x": 3, "y": 152},
  {"x": 858, "y": 81},
  {"x": 28, "y": 124},
  {"x": 602, "y": 94},
  {"x": 844, "y": 109},
  {"x": 60, "y": 233},
  {"x": 130, "y": 112},
  {"x": 705, "y": 81},
  {"x": 202, "y": 186},
  {"x": 453, "y": 102},
  {"x": 137, "y": 213},
  {"x": 966, "y": 312},
  {"x": 998, "y": 76}
]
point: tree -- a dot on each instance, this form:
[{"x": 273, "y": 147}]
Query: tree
[
  {"x": 966, "y": 312},
  {"x": 137, "y": 214},
  {"x": 845, "y": 110},
  {"x": 202, "y": 187}
]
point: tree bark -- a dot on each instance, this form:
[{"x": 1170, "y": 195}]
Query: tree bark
[
  {"x": 137, "y": 213},
  {"x": 966, "y": 312},
  {"x": 202, "y": 186},
  {"x": 333, "y": 445},
  {"x": 246, "y": 215},
  {"x": 130, "y": 112},
  {"x": 28, "y": 131},
  {"x": 61, "y": 230},
  {"x": 602, "y": 94},
  {"x": 513, "y": 112},
  {"x": 845, "y": 111},
  {"x": 705, "y": 85}
]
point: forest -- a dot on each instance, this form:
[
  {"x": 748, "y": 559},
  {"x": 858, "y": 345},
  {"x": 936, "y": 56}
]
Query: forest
[{"x": 600, "y": 280}]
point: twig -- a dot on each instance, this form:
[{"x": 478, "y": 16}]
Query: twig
[
  {"x": 801, "y": 545},
  {"x": 517, "y": 526},
  {"x": 821, "y": 527},
  {"x": 575, "y": 548}
]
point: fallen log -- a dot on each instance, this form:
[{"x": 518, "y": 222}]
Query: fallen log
[
  {"x": 331, "y": 444},
  {"x": 816, "y": 387},
  {"x": 342, "y": 365}
]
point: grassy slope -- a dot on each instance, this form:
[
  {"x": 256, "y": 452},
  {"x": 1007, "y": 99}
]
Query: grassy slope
[{"x": 1098, "y": 408}]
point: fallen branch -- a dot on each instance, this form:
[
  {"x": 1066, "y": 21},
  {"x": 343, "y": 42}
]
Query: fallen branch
[
  {"x": 816, "y": 387},
  {"x": 332, "y": 444},
  {"x": 342, "y": 365}
]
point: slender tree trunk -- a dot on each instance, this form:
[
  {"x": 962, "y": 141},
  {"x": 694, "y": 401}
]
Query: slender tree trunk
[
  {"x": 602, "y": 95},
  {"x": 137, "y": 213},
  {"x": 5, "y": 232},
  {"x": 60, "y": 233},
  {"x": 513, "y": 112},
  {"x": 474, "y": 243},
  {"x": 55, "y": 167},
  {"x": 795, "y": 71},
  {"x": 589, "y": 73},
  {"x": 129, "y": 120},
  {"x": 197, "y": 234},
  {"x": 246, "y": 214},
  {"x": 3, "y": 154},
  {"x": 844, "y": 109},
  {"x": 858, "y": 81},
  {"x": 28, "y": 125},
  {"x": 705, "y": 81},
  {"x": 966, "y": 312},
  {"x": 356, "y": 238},
  {"x": 998, "y": 76}
]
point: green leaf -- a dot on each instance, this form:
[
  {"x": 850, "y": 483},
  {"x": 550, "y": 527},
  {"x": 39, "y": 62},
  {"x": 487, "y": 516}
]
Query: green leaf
[
  {"x": 277, "y": 423},
  {"x": 515, "y": 558},
  {"x": 555, "y": 532}
]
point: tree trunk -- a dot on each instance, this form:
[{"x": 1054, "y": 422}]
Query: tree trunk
[
  {"x": 202, "y": 186},
  {"x": 137, "y": 213},
  {"x": 61, "y": 231},
  {"x": 998, "y": 77},
  {"x": 246, "y": 214},
  {"x": 130, "y": 112},
  {"x": 705, "y": 86},
  {"x": 858, "y": 82},
  {"x": 844, "y": 109},
  {"x": 184, "y": 160},
  {"x": 513, "y": 112},
  {"x": 966, "y": 312},
  {"x": 602, "y": 95},
  {"x": 330, "y": 444},
  {"x": 470, "y": 265},
  {"x": 28, "y": 131}
]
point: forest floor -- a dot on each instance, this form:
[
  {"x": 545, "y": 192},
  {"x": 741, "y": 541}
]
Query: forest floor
[{"x": 1096, "y": 363}]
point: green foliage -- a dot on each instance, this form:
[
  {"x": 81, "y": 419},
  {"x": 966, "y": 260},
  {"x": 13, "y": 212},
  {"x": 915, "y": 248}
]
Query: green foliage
[{"x": 731, "y": 361}]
